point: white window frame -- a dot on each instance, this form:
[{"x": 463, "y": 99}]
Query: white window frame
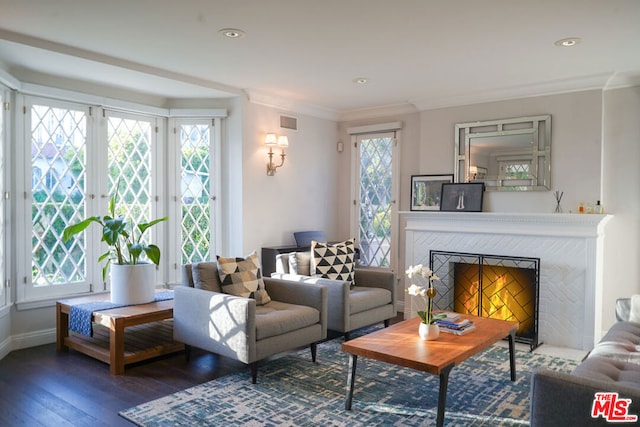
[
  {"x": 355, "y": 132},
  {"x": 5, "y": 137},
  {"x": 25, "y": 291},
  {"x": 163, "y": 169},
  {"x": 174, "y": 190},
  {"x": 155, "y": 234}
]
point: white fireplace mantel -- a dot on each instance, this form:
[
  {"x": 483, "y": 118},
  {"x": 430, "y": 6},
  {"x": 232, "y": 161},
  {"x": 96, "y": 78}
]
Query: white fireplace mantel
[{"x": 569, "y": 247}]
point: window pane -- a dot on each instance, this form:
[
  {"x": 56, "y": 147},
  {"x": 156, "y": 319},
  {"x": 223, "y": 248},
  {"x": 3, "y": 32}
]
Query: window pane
[
  {"x": 376, "y": 155},
  {"x": 58, "y": 150},
  {"x": 129, "y": 157},
  {"x": 195, "y": 190}
]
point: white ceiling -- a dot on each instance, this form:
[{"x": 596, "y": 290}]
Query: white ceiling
[{"x": 305, "y": 53}]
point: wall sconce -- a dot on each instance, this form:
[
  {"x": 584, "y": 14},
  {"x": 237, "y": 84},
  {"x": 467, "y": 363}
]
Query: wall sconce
[{"x": 271, "y": 141}]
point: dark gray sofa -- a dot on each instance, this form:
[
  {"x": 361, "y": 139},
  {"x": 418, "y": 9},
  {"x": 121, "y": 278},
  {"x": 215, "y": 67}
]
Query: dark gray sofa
[{"x": 561, "y": 399}]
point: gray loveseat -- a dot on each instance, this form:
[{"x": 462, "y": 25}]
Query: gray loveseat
[
  {"x": 372, "y": 300},
  {"x": 560, "y": 399},
  {"x": 236, "y": 327}
]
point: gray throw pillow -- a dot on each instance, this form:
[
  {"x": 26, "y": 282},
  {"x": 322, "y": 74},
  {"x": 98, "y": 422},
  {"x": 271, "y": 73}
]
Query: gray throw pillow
[
  {"x": 300, "y": 263},
  {"x": 205, "y": 276}
]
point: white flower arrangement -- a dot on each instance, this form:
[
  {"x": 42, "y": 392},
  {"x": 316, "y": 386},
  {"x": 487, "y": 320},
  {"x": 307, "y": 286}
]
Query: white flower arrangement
[{"x": 427, "y": 293}]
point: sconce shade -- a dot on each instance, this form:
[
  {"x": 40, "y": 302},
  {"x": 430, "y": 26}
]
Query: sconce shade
[
  {"x": 270, "y": 140},
  {"x": 283, "y": 141}
]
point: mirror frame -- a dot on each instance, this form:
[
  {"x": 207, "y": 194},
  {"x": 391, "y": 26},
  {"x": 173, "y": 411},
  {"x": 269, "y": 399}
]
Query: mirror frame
[{"x": 539, "y": 127}]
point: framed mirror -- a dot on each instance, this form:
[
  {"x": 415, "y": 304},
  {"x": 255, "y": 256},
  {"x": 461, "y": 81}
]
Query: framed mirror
[{"x": 506, "y": 155}]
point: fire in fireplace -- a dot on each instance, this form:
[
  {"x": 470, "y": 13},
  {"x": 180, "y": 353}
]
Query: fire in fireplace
[{"x": 499, "y": 287}]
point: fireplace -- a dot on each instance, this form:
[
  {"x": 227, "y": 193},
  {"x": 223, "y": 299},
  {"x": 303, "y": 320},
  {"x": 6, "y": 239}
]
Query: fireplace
[
  {"x": 569, "y": 246},
  {"x": 494, "y": 286}
]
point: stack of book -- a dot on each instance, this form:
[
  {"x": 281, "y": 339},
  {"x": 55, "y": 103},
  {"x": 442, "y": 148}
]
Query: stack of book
[{"x": 453, "y": 325}]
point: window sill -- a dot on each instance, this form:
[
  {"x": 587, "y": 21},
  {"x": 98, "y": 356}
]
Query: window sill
[{"x": 49, "y": 302}]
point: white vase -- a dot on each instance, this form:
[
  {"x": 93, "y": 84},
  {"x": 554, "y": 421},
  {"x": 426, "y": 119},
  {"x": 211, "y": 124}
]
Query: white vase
[
  {"x": 428, "y": 332},
  {"x": 133, "y": 284}
]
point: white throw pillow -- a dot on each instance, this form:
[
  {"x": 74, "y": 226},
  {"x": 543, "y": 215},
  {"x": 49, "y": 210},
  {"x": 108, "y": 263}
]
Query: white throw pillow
[{"x": 634, "y": 312}]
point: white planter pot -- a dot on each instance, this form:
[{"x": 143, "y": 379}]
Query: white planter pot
[
  {"x": 428, "y": 332},
  {"x": 133, "y": 284}
]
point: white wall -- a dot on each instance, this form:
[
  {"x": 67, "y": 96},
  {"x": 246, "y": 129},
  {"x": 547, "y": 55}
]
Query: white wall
[
  {"x": 303, "y": 194},
  {"x": 621, "y": 194},
  {"x": 576, "y": 129}
]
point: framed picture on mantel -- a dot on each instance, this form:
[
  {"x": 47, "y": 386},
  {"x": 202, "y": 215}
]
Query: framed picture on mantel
[
  {"x": 426, "y": 191},
  {"x": 465, "y": 197}
]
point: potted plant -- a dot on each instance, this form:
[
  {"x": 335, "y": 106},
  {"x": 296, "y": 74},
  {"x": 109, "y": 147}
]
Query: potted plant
[
  {"x": 428, "y": 327},
  {"x": 132, "y": 278}
]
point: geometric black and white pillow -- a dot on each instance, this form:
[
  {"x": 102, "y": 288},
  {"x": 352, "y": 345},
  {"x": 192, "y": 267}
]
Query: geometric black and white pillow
[
  {"x": 242, "y": 277},
  {"x": 333, "y": 261}
]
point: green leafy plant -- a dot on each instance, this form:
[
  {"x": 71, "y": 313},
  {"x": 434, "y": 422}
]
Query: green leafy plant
[{"x": 125, "y": 245}]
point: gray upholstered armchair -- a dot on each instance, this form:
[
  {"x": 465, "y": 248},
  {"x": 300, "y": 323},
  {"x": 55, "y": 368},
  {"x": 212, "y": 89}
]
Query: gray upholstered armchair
[
  {"x": 238, "y": 328},
  {"x": 372, "y": 300}
]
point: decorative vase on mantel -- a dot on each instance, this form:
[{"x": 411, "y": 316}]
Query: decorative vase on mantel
[
  {"x": 428, "y": 332},
  {"x": 133, "y": 284}
]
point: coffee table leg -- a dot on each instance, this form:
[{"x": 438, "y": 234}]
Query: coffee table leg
[
  {"x": 442, "y": 394},
  {"x": 512, "y": 354},
  {"x": 351, "y": 380}
]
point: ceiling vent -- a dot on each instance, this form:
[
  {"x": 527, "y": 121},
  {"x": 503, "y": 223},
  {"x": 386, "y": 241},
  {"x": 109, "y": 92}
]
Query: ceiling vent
[{"x": 288, "y": 122}]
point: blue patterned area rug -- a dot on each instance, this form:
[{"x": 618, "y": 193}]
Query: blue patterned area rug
[{"x": 293, "y": 391}]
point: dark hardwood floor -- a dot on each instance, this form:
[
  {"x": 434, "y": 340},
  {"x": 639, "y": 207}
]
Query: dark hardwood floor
[{"x": 42, "y": 387}]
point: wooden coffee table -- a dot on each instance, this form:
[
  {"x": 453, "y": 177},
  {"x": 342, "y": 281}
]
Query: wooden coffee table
[
  {"x": 121, "y": 335},
  {"x": 400, "y": 344}
]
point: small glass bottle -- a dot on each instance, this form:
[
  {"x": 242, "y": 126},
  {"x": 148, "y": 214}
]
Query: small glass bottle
[
  {"x": 581, "y": 208},
  {"x": 599, "y": 208},
  {"x": 589, "y": 208}
]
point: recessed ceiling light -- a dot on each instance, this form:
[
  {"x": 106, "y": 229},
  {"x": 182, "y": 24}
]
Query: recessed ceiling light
[
  {"x": 568, "y": 42},
  {"x": 231, "y": 33},
  {"x": 361, "y": 80}
]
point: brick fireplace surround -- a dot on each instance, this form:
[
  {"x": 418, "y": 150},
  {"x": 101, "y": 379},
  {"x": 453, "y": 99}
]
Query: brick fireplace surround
[{"x": 569, "y": 247}]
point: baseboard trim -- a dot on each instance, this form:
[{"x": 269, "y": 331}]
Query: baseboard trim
[
  {"x": 5, "y": 348},
  {"x": 30, "y": 339}
]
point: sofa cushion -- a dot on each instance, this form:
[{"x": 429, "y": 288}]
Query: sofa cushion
[
  {"x": 242, "y": 277},
  {"x": 333, "y": 261},
  {"x": 205, "y": 276},
  {"x": 362, "y": 298},
  {"x": 300, "y": 263},
  {"x": 621, "y": 342},
  {"x": 609, "y": 370},
  {"x": 277, "y": 318},
  {"x": 623, "y": 332}
]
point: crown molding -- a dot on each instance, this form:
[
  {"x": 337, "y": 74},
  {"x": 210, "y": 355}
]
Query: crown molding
[
  {"x": 554, "y": 87},
  {"x": 377, "y": 112},
  {"x": 259, "y": 98},
  {"x": 622, "y": 80}
]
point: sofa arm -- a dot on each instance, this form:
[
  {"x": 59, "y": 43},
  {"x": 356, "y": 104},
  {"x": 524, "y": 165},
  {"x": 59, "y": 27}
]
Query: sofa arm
[
  {"x": 561, "y": 399},
  {"x": 220, "y": 323},
  {"x": 377, "y": 278},
  {"x": 292, "y": 292}
]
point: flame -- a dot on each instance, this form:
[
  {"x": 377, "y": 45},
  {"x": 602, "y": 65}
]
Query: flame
[{"x": 500, "y": 284}]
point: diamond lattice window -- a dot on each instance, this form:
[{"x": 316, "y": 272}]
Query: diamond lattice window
[
  {"x": 129, "y": 157},
  {"x": 376, "y": 155},
  {"x": 195, "y": 187},
  {"x": 515, "y": 170},
  {"x": 58, "y": 150}
]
